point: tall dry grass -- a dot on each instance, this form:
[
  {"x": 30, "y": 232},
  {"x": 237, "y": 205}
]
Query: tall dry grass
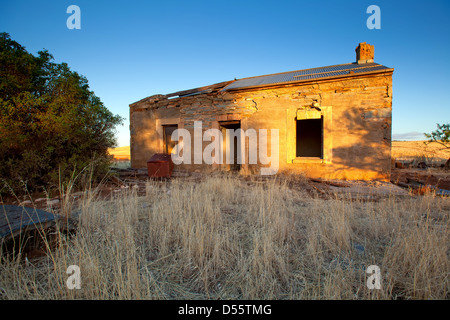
[{"x": 227, "y": 238}]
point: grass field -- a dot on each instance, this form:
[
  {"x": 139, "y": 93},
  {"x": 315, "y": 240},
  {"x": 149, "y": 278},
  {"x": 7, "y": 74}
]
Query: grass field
[
  {"x": 430, "y": 153},
  {"x": 228, "y": 238},
  {"x": 120, "y": 153}
]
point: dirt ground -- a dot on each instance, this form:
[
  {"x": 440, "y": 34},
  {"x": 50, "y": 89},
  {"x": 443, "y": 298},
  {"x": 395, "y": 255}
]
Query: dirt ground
[{"x": 437, "y": 178}]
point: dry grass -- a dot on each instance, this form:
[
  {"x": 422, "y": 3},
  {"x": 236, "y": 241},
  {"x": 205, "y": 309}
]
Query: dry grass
[
  {"x": 226, "y": 238},
  {"x": 432, "y": 153}
]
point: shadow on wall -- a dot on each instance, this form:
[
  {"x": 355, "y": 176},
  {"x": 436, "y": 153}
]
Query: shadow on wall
[{"x": 363, "y": 140}]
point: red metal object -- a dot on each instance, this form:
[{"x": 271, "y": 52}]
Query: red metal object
[{"x": 160, "y": 165}]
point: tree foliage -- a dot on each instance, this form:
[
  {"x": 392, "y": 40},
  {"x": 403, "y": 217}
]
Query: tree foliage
[
  {"x": 51, "y": 124},
  {"x": 441, "y": 135}
]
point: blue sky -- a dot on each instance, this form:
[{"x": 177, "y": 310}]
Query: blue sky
[{"x": 129, "y": 50}]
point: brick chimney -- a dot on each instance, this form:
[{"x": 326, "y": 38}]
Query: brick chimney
[{"x": 364, "y": 53}]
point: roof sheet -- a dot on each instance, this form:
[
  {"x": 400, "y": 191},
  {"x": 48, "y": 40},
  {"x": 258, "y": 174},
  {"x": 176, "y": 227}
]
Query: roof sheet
[{"x": 306, "y": 74}]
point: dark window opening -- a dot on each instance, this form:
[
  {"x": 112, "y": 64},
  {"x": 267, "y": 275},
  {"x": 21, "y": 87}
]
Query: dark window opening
[
  {"x": 310, "y": 138},
  {"x": 169, "y": 144}
]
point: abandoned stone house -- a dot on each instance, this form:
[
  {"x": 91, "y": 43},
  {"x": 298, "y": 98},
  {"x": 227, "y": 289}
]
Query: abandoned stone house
[{"x": 333, "y": 122}]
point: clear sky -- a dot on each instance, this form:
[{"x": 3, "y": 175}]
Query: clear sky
[{"x": 129, "y": 50}]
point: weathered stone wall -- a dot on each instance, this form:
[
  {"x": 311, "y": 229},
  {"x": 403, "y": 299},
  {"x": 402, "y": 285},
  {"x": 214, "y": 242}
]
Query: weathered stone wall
[{"x": 357, "y": 123}]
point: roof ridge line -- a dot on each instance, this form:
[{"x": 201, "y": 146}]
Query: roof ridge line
[
  {"x": 274, "y": 74},
  {"x": 372, "y": 64}
]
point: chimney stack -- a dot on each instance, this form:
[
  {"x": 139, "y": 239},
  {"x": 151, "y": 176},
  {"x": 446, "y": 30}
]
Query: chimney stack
[{"x": 364, "y": 53}]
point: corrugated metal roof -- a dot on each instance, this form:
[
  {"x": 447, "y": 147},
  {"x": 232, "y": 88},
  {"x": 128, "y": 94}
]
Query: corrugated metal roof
[{"x": 306, "y": 74}]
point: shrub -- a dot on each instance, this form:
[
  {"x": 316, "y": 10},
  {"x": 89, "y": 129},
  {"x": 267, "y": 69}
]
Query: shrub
[{"x": 51, "y": 124}]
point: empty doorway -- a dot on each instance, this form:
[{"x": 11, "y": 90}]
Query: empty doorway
[
  {"x": 168, "y": 143},
  {"x": 231, "y": 145}
]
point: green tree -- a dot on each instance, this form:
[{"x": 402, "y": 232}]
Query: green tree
[
  {"x": 51, "y": 124},
  {"x": 442, "y": 136}
]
